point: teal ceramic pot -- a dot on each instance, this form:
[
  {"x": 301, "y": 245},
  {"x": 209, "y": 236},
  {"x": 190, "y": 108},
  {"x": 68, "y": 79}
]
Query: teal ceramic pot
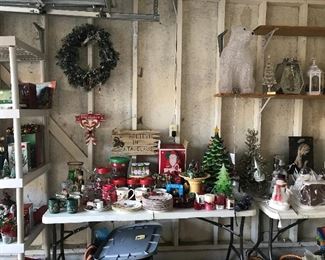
[
  {"x": 54, "y": 205},
  {"x": 72, "y": 205}
]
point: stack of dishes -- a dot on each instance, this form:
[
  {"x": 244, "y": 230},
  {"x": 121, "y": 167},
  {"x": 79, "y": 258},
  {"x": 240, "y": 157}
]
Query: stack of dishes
[
  {"x": 127, "y": 206},
  {"x": 157, "y": 202}
]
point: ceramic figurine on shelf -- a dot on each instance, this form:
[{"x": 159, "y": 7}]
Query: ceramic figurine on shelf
[{"x": 280, "y": 196}]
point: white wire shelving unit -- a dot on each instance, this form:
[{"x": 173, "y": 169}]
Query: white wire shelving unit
[{"x": 13, "y": 50}]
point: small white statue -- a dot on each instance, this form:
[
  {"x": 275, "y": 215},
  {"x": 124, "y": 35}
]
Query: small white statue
[
  {"x": 280, "y": 196},
  {"x": 237, "y": 63}
]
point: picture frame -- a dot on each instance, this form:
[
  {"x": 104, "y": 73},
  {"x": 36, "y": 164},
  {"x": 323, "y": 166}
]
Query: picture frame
[{"x": 300, "y": 153}]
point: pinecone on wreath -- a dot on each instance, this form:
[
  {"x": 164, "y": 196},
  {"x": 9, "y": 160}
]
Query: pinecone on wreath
[{"x": 214, "y": 158}]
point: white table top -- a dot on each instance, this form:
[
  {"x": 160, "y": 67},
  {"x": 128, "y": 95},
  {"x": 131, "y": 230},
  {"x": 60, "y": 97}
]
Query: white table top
[
  {"x": 85, "y": 216},
  {"x": 177, "y": 213},
  {"x": 110, "y": 215},
  {"x": 291, "y": 213}
]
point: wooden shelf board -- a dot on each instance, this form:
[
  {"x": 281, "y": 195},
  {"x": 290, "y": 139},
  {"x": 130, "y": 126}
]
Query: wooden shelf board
[
  {"x": 11, "y": 183},
  {"x": 310, "y": 31},
  {"x": 35, "y": 173},
  {"x": 278, "y": 96}
]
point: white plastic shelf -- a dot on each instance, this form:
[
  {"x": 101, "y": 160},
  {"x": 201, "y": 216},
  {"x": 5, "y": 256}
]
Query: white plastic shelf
[
  {"x": 11, "y": 183},
  {"x": 24, "y": 52},
  {"x": 16, "y": 248},
  {"x": 35, "y": 173},
  {"x": 20, "y": 113},
  {"x": 11, "y": 249}
]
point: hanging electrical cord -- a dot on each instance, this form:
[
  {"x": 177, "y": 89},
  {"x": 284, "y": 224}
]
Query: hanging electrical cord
[{"x": 234, "y": 126}]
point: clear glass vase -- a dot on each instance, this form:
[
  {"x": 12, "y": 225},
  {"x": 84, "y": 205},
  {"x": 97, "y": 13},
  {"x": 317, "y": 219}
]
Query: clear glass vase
[{"x": 6, "y": 239}]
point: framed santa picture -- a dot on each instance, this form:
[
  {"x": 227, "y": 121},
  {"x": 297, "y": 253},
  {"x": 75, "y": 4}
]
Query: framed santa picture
[{"x": 172, "y": 160}]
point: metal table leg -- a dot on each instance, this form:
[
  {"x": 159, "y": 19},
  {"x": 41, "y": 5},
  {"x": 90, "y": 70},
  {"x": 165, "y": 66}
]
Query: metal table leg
[
  {"x": 270, "y": 242},
  {"x": 255, "y": 248},
  {"x": 54, "y": 241},
  {"x": 241, "y": 238},
  {"x": 62, "y": 256},
  {"x": 231, "y": 241}
]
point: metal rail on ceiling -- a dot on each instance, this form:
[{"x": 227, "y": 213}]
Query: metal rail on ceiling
[{"x": 86, "y": 8}]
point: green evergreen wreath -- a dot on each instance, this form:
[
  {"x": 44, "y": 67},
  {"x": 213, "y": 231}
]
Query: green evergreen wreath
[{"x": 68, "y": 56}]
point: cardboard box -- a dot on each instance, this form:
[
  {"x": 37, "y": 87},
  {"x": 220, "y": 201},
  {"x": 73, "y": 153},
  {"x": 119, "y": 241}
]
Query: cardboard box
[
  {"x": 26, "y": 157},
  {"x": 44, "y": 93},
  {"x": 36, "y": 143},
  {"x": 5, "y": 96},
  {"x": 27, "y": 95}
]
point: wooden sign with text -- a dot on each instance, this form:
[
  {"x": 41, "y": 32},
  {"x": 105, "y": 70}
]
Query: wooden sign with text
[{"x": 135, "y": 142}]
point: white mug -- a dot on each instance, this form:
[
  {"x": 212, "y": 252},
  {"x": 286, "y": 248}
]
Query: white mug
[
  {"x": 139, "y": 192},
  {"x": 99, "y": 204},
  {"x": 123, "y": 193},
  {"x": 209, "y": 198}
]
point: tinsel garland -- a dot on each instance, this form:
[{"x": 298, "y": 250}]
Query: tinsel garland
[
  {"x": 68, "y": 56},
  {"x": 25, "y": 129}
]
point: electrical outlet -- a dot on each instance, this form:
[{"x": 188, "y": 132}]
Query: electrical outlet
[{"x": 172, "y": 130}]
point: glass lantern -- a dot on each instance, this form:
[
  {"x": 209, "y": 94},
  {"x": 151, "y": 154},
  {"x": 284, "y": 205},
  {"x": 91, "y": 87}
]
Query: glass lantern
[{"x": 315, "y": 79}]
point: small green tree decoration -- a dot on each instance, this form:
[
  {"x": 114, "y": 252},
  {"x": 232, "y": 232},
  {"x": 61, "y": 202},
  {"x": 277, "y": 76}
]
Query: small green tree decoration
[
  {"x": 253, "y": 176},
  {"x": 223, "y": 184},
  {"x": 215, "y": 157}
]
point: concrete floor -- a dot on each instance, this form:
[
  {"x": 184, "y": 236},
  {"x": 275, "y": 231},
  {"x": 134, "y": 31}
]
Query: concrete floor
[{"x": 198, "y": 255}]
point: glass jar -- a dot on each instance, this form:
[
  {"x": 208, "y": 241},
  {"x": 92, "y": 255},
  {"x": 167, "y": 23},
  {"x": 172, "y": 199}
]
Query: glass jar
[
  {"x": 102, "y": 175},
  {"x": 109, "y": 194},
  {"x": 119, "y": 166},
  {"x": 75, "y": 167},
  {"x": 134, "y": 169},
  {"x": 146, "y": 168},
  {"x": 141, "y": 171},
  {"x": 119, "y": 182},
  {"x": 146, "y": 182},
  {"x": 133, "y": 183}
]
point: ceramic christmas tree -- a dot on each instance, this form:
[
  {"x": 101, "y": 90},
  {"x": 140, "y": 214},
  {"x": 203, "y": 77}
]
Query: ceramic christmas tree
[
  {"x": 269, "y": 79},
  {"x": 253, "y": 176},
  {"x": 223, "y": 184},
  {"x": 215, "y": 157}
]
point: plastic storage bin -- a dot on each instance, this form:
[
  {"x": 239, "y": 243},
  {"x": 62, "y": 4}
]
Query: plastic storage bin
[{"x": 139, "y": 241}]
